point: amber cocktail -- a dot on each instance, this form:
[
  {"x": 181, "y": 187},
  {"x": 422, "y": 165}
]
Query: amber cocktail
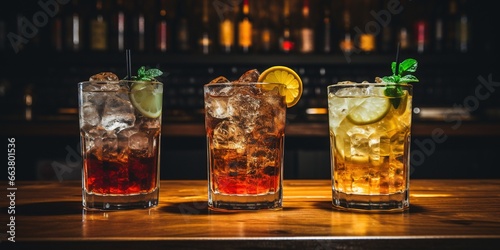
[
  {"x": 370, "y": 145},
  {"x": 245, "y": 125}
]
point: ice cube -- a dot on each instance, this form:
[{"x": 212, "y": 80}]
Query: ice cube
[
  {"x": 250, "y": 76},
  {"x": 364, "y": 132},
  {"x": 104, "y": 76},
  {"x": 148, "y": 123},
  {"x": 106, "y": 146},
  {"x": 359, "y": 139},
  {"x": 344, "y": 92},
  {"x": 273, "y": 98},
  {"x": 127, "y": 133},
  {"x": 346, "y": 82},
  {"x": 271, "y": 114},
  {"x": 118, "y": 114},
  {"x": 89, "y": 116},
  {"x": 97, "y": 87},
  {"x": 244, "y": 108},
  {"x": 93, "y": 138},
  {"x": 123, "y": 142},
  {"x": 217, "y": 107},
  {"x": 266, "y": 124},
  {"x": 360, "y": 89},
  {"x": 216, "y": 102},
  {"x": 259, "y": 157},
  {"x": 228, "y": 135},
  {"x": 93, "y": 96},
  {"x": 139, "y": 144},
  {"x": 220, "y": 79}
]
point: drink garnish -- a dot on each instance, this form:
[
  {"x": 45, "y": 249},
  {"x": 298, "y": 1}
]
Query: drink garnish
[
  {"x": 144, "y": 74},
  {"x": 400, "y": 74},
  {"x": 144, "y": 94},
  {"x": 370, "y": 110},
  {"x": 289, "y": 78}
]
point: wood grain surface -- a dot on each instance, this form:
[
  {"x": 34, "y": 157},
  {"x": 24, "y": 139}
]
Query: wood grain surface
[{"x": 444, "y": 214}]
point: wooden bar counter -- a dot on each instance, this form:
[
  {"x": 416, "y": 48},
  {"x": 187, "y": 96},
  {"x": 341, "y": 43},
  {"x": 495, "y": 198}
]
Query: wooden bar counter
[{"x": 444, "y": 214}]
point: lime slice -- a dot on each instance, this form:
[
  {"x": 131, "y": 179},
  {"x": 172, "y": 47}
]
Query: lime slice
[
  {"x": 287, "y": 77},
  {"x": 371, "y": 110},
  {"x": 147, "y": 98}
]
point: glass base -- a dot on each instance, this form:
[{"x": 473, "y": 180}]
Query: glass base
[
  {"x": 378, "y": 203},
  {"x": 221, "y": 202},
  {"x": 120, "y": 202}
]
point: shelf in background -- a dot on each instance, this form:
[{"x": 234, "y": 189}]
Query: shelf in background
[
  {"x": 69, "y": 127},
  {"x": 293, "y": 59}
]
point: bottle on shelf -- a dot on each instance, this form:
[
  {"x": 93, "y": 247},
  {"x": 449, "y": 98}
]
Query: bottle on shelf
[
  {"x": 365, "y": 36},
  {"x": 265, "y": 33},
  {"x": 73, "y": 28},
  {"x": 182, "y": 29},
  {"x": 286, "y": 40},
  {"x": 451, "y": 27},
  {"x": 118, "y": 27},
  {"x": 437, "y": 27},
  {"x": 404, "y": 39},
  {"x": 463, "y": 36},
  {"x": 402, "y": 32},
  {"x": 138, "y": 37},
  {"x": 226, "y": 30},
  {"x": 205, "y": 40},
  {"x": 421, "y": 34},
  {"x": 98, "y": 28},
  {"x": 346, "y": 42},
  {"x": 245, "y": 28},
  {"x": 56, "y": 33},
  {"x": 447, "y": 28},
  {"x": 162, "y": 32},
  {"x": 324, "y": 37},
  {"x": 386, "y": 39},
  {"x": 306, "y": 37}
]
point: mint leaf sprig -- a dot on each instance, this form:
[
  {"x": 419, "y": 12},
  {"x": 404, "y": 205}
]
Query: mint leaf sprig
[
  {"x": 400, "y": 74},
  {"x": 144, "y": 74}
]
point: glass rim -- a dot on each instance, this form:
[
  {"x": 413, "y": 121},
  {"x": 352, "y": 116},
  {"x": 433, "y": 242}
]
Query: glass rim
[
  {"x": 116, "y": 82},
  {"x": 366, "y": 84},
  {"x": 236, "y": 83}
]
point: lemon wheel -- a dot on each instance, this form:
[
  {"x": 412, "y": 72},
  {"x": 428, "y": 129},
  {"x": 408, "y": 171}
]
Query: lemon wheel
[{"x": 289, "y": 78}]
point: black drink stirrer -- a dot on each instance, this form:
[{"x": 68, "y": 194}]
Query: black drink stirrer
[
  {"x": 129, "y": 65},
  {"x": 397, "y": 60}
]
